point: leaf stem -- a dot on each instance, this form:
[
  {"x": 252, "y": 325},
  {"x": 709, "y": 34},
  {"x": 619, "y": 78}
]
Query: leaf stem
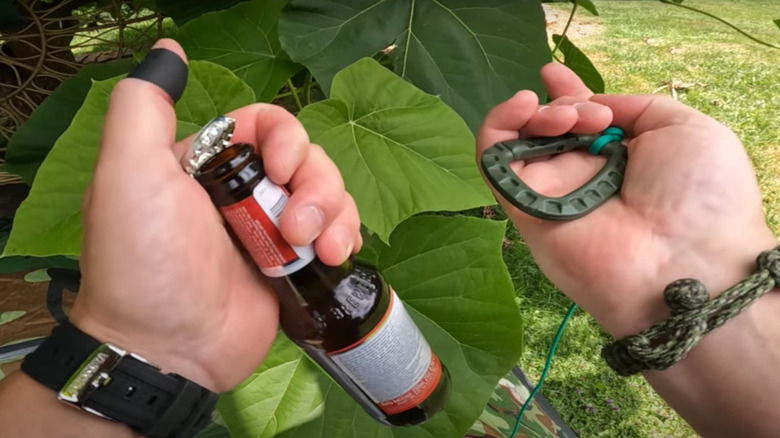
[
  {"x": 679, "y": 5},
  {"x": 566, "y": 29},
  {"x": 307, "y": 88},
  {"x": 282, "y": 95},
  {"x": 294, "y": 93}
]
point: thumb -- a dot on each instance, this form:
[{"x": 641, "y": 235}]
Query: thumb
[
  {"x": 140, "y": 118},
  {"x": 636, "y": 114}
]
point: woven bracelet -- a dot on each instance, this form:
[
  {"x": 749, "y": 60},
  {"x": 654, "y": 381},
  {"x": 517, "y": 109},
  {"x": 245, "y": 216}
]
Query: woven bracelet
[{"x": 693, "y": 316}]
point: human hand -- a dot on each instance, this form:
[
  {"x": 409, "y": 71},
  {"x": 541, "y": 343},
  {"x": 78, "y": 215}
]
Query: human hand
[
  {"x": 689, "y": 207},
  {"x": 160, "y": 274}
]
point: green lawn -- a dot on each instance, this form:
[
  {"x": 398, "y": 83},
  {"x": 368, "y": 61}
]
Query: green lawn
[{"x": 638, "y": 46}]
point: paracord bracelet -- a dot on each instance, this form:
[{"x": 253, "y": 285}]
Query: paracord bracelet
[{"x": 693, "y": 316}]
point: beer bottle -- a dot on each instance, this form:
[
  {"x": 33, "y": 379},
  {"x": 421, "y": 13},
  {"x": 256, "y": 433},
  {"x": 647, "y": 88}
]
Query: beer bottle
[{"x": 346, "y": 318}]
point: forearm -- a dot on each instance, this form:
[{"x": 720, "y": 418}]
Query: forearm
[
  {"x": 29, "y": 409},
  {"x": 729, "y": 385}
]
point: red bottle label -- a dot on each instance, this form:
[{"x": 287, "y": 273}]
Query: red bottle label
[{"x": 255, "y": 221}]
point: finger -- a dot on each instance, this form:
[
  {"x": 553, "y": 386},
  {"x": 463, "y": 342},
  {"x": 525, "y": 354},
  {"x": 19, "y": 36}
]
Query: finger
[
  {"x": 550, "y": 121},
  {"x": 342, "y": 238},
  {"x": 568, "y": 114},
  {"x": 505, "y": 120},
  {"x": 637, "y": 114},
  {"x": 140, "y": 118},
  {"x": 318, "y": 196},
  {"x": 277, "y": 135},
  {"x": 561, "y": 81}
]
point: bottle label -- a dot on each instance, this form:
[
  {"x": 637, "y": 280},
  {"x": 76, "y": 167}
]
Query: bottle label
[
  {"x": 393, "y": 365},
  {"x": 255, "y": 220}
]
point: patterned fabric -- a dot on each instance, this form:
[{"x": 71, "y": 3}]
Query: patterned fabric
[{"x": 498, "y": 419}]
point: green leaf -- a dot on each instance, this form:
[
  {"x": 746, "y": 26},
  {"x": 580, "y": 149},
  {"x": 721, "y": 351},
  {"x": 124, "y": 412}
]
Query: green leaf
[
  {"x": 450, "y": 274},
  {"x": 472, "y": 53},
  {"x": 211, "y": 90},
  {"x": 213, "y": 430},
  {"x": 244, "y": 39},
  {"x": 777, "y": 22},
  {"x": 283, "y": 393},
  {"x": 6, "y": 317},
  {"x": 34, "y": 139},
  {"x": 400, "y": 151},
  {"x": 49, "y": 221},
  {"x": 182, "y": 11},
  {"x": 587, "y": 4},
  {"x": 579, "y": 63},
  {"x": 39, "y": 276},
  {"x": 9, "y": 265}
]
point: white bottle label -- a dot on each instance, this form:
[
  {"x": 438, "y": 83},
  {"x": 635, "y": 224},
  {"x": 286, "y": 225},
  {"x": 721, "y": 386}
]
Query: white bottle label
[
  {"x": 394, "y": 364},
  {"x": 255, "y": 220}
]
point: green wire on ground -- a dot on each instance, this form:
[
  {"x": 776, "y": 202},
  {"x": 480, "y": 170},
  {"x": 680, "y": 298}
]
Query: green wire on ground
[{"x": 547, "y": 364}]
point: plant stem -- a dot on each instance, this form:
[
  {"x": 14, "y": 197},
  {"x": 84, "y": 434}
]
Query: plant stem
[
  {"x": 566, "y": 28},
  {"x": 679, "y": 5},
  {"x": 307, "y": 88},
  {"x": 282, "y": 95},
  {"x": 294, "y": 93}
]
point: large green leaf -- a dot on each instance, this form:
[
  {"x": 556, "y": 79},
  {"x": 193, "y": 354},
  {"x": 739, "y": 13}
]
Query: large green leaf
[
  {"x": 34, "y": 139},
  {"x": 182, "y": 11},
  {"x": 49, "y": 220},
  {"x": 244, "y": 39},
  {"x": 579, "y": 63},
  {"x": 13, "y": 264},
  {"x": 472, "y": 53},
  {"x": 450, "y": 274},
  {"x": 400, "y": 151}
]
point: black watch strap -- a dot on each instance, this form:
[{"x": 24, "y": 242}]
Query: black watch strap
[{"x": 129, "y": 390}]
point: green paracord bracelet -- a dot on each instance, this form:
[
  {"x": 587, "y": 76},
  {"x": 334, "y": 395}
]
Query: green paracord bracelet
[{"x": 693, "y": 316}]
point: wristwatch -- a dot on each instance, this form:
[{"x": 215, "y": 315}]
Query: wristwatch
[{"x": 114, "y": 384}]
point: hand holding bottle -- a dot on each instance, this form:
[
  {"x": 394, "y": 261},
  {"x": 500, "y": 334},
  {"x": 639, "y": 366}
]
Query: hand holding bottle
[{"x": 161, "y": 276}]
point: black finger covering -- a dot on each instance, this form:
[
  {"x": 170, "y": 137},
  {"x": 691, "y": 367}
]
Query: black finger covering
[{"x": 164, "y": 69}]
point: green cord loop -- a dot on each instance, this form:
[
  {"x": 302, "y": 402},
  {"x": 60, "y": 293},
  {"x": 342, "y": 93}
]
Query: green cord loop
[
  {"x": 693, "y": 315},
  {"x": 613, "y": 133}
]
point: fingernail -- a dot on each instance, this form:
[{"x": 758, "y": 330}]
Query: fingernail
[
  {"x": 165, "y": 69},
  {"x": 349, "y": 251},
  {"x": 343, "y": 238},
  {"x": 543, "y": 108},
  {"x": 309, "y": 221}
]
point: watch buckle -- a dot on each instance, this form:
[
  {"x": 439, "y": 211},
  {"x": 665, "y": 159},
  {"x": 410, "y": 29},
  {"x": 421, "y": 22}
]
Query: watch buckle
[{"x": 92, "y": 374}]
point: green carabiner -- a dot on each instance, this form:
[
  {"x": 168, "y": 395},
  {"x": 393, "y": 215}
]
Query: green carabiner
[{"x": 605, "y": 184}]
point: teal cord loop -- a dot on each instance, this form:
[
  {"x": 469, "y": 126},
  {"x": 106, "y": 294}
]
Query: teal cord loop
[{"x": 613, "y": 133}]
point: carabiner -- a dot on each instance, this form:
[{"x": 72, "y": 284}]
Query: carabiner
[{"x": 605, "y": 184}]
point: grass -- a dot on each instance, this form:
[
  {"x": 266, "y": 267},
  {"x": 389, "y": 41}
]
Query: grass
[{"x": 638, "y": 46}]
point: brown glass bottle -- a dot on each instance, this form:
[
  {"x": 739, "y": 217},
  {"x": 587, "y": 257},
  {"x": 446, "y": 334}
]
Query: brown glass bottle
[{"x": 346, "y": 318}]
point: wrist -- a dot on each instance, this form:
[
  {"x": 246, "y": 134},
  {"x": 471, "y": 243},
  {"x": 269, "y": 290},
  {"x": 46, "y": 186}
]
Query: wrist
[
  {"x": 718, "y": 267},
  {"x": 152, "y": 348},
  {"x": 29, "y": 409}
]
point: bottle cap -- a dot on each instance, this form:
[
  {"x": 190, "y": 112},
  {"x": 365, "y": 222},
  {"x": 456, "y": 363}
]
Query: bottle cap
[{"x": 210, "y": 140}]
